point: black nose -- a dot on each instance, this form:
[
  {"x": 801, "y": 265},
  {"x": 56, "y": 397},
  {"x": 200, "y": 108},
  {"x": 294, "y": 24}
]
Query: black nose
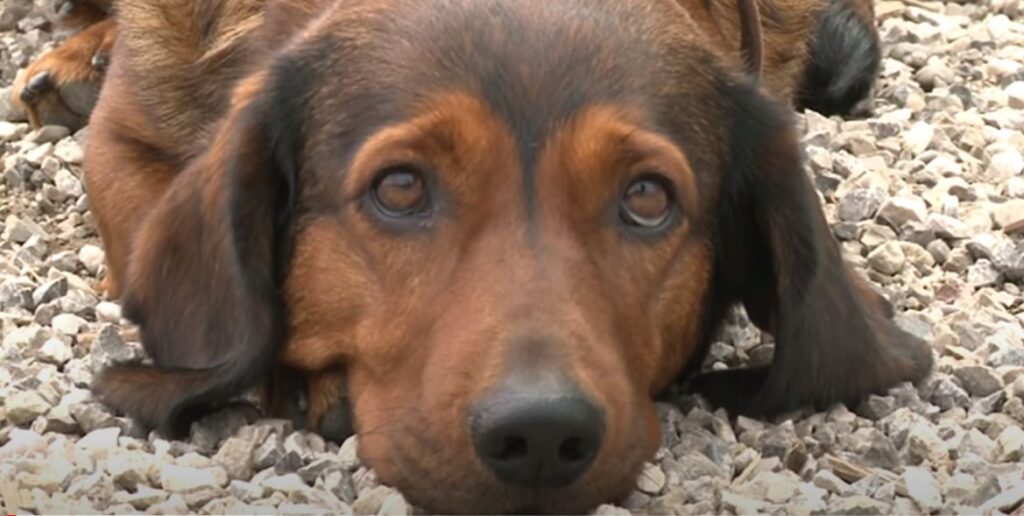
[{"x": 537, "y": 439}]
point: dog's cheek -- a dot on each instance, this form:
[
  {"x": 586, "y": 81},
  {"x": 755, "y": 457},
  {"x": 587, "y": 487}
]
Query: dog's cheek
[
  {"x": 328, "y": 293},
  {"x": 680, "y": 311}
]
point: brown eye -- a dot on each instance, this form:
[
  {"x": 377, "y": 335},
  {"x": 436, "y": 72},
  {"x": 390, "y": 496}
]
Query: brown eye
[
  {"x": 401, "y": 192},
  {"x": 646, "y": 204}
]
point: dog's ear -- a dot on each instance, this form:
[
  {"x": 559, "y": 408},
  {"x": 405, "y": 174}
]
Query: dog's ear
[
  {"x": 834, "y": 337},
  {"x": 203, "y": 280}
]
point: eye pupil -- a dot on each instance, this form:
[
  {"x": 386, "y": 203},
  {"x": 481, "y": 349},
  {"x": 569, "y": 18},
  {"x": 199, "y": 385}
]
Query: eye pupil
[
  {"x": 401, "y": 192},
  {"x": 646, "y": 203}
]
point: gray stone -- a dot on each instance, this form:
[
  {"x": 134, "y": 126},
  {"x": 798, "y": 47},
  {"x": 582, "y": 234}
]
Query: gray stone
[
  {"x": 55, "y": 351},
  {"x": 180, "y": 479},
  {"x": 394, "y": 504},
  {"x": 887, "y": 258},
  {"x": 50, "y": 475},
  {"x": 919, "y": 137},
  {"x": 68, "y": 324},
  {"x": 50, "y": 290},
  {"x": 828, "y": 481},
  {"x": 143, "y": 498},
  {"x": 857, "y": 506},
  {"x": 947, "y": 227},
  {"x": 79, "y": 302},
  {"x": 983, "y": 274},
  {"x": 24, "y": 407},
  {"x": 958, "y": 261},
  {"x": 860, "y": 204},
  {"x": 212, "y": 429},
  {"x": 291, "y": 462},
  {"x": 371, "y": 500},
  {"x": 268, "y": 453},
  {"x": 60, "y": 420},
  {"x": 923, "y": 488},
  {"x": 1011, "y": 444},
  {"x": 776, "y": 488},
  {"x": 925, "y": 444},
  {"x": 12, "y": 12},
  {"x": 693, "y": 466},
  {"x": 131, "y": 470},
  {"x": 946, "y": 394},
  {"x": 16, "y": 293},
  {"x": 978, "y": 380},
  {"x": 20, "y": 230},
  {"x": 1006, "y": 213},
  {"x": 348, "y": 453},
  {"x": 318, "y": 468},
  {"x": 288, "y": 484},
  {"x": 934, "y": 74},
  {"x": 1007, "y": 500},
  {"x": 109, "y": 348},
  {"x": 651, "y": 480},
  {"x": 175, "y": 504},
  {"x": 246, "y": 491},
  {"x": 91, "y": 416},
  {"x": 69, "y": 151},
  {"x": 92, "y": 257},
  {"x": 900, "y": 210},
  {"x": 235, "y": 456},
  {"x": 878, "y": 451},
  {"x": 1005, "y": 165},
  {"x": 68, "y": 184},
  {"x": 108, "y": 312},
  {"x": 47, "y": 134}
]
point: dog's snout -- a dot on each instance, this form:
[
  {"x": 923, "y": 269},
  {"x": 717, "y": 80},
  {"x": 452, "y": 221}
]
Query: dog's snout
[{"x": 537, "y": 439}]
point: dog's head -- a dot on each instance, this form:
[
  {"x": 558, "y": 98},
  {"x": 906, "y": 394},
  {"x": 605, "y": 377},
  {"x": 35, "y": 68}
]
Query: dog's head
[{"x": 512, "y": 222}]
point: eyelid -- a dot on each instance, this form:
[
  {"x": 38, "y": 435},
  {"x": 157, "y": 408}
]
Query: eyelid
[{"x": 387, "y": 148}]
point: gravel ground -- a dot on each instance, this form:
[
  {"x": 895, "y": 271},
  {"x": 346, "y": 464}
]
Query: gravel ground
[{"x": 921, "y": 195}]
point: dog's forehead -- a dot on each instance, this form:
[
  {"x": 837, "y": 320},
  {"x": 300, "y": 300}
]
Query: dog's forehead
[{"x": 535, "y": 63}]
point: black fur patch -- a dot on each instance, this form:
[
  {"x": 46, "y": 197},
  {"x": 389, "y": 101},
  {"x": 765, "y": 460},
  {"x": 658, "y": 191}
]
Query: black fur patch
[
  {"x": 845, "y": 59},
  {"x": 776, "y": 255}
]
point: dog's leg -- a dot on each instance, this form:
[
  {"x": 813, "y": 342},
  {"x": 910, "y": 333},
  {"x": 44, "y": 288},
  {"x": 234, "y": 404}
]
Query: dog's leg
[
  {"x": 61, "y": 87},
  {"x": 125, "y": 176}
]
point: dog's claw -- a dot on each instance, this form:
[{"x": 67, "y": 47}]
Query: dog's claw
[{"x": 40, "y": 83}]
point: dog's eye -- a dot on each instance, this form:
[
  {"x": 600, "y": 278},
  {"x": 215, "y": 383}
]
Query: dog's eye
[
  {"x": 647, "y": 203},
  {"x": 401, "y": 192}
]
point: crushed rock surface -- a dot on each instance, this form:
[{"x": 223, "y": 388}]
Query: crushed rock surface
[{"x": 919, "y": 193}]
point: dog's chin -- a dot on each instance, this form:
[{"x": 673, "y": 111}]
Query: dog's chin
[
  {"x": 448, "y": 487},
  {"x": 572, "y": 500}
]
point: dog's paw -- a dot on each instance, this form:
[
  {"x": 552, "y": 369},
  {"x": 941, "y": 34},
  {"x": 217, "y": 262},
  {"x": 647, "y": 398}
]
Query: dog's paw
[
  {"x": 53, "y": 92},
  {"x": 61, "y": 87}
]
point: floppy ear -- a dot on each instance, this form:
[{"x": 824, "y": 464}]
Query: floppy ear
[
  {"x": 203, "y": 280},
  {"x": 834, "y": 337}
]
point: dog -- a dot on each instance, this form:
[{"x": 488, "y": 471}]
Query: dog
[{"x": 498, "y": 229}]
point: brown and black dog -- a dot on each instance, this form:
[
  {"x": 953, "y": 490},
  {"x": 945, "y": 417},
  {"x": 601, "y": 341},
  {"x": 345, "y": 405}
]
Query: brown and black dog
[{"x": 512, "y": 222}]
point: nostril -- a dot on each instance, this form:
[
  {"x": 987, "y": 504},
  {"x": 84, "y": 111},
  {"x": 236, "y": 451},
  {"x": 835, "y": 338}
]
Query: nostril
[
  {"x": 572, "y": 450},
  {"x": 542, "y": 440},
  {"x": 514, "y": 447}
]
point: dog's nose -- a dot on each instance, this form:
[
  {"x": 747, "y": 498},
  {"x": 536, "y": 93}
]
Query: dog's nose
[{"x": 537, "y": 439}]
